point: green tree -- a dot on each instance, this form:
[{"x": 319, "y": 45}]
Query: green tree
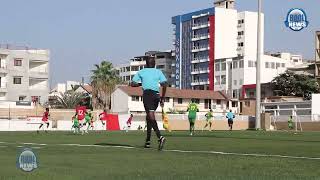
[
  {"x": 103, "y": 80},
  {"x": 291, "y": 84},
  {"x": 68, "y": 100}
]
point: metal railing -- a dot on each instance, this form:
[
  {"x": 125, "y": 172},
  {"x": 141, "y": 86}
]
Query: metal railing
[{"x": 201, "y": 36}]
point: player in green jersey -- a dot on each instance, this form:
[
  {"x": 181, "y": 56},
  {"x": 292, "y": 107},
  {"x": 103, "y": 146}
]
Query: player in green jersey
[
  {"x": 209, "y": 117},
  {"x": 192, "y": 115},
  {"x": 88, "y": 119},
  {"x": 76, "y": 125}
]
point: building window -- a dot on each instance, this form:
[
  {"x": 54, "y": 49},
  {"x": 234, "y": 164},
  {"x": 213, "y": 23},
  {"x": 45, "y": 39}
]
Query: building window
[
  {"x": 223, "y": 79},
  {"x": 247, "y": 103},
  {"x": 277, "y": 65},
  {"x": 17, "y": 62},
  {"x": 283, "y": 65},
  {"x": 267, "y": 64},
  {"x": 240, "y": 33},
  {"x": 135, "y": 68},
  {"x": 235, "y": 82},
  {"x": 241, "y": 21},
  {"x": 207, "y": 103},
  {"x": 21, "y": 98},
  {"x": 234, "y": 104},
  {"x": 273, "y": 65},
  {"x": 160, "y": 66},
  {"x": 241, "y": 82},
  {"x": 252, "y": 64},
  {"x": 241, "y": 64},
  {"x": 217, "y": 80},
  {"x": 218, "y": 102},
  {"x": 235, "y": 64},
  {"x": 17, "y": 80},
  {"x": 135, "y": 98},
  {"x": 197, "y": 101},
  {"x": 179, "y": 100},
  {"x": 240, "y": 44},
  {"x": 217, "y": 67},
  {"x": 167, "y": 99},
  {"x": 223, "y": 66}
]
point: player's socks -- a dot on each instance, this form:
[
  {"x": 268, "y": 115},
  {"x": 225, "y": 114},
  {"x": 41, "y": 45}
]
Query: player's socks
[
  {"x": 149, "y": 128},
  {"x": 147, "y": 144},
  {"x": 162, "y": 141},
  {"x": 155, "y": 128}
]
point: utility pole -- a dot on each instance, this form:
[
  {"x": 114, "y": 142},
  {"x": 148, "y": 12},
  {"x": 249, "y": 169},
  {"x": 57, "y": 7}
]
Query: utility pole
[{"x": 258, "y": 69}]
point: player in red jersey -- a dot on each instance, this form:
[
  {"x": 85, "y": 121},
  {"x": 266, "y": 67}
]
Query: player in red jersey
[
  {"x": 45, "y": 120},
  {"x": 103, "y": 116},
  {"x": 80, "y": 114},
  {"x": 129, "y": 122}
]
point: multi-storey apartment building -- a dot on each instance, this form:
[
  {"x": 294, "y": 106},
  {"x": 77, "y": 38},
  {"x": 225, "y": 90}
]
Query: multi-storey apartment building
[
  {"x": 24, "y": 74},
  {"x": 163, "y": 61},
  {"x": 216, "y": 49}
]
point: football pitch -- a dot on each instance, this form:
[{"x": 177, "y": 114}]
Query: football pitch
[{"x": 206, "y": 155}]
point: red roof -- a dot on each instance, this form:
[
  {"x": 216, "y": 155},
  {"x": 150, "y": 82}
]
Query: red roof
[
  {"x": 179, "y": 93},
  {"x": 88, "y": 88}
]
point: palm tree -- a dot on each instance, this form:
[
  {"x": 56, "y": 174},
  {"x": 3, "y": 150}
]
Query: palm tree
[
  {"x": 103, "y": 80},
  {"x": 68, "y": 100}
]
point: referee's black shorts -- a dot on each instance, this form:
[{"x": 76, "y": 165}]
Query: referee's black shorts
[{"x": 151, "y": 100}]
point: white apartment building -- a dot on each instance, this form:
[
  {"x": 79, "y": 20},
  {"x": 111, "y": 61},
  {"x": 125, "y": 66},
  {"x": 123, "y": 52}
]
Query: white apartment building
[
  {"x": 163, "y": 61},
  {"x": 24, "y": 74},
  {"x": 222, "y": 55}
]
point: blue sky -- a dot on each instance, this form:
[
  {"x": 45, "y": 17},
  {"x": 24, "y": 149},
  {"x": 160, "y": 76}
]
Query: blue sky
[{"x": 80, "y": 33}]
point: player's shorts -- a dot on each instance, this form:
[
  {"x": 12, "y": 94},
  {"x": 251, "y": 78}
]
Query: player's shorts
[
  {"x": 81, "y": 122},
  {"x": 192, "y": 120},
  {"x": 45, "y": 122},
  {"x": 151, "y": 100},
  {"x": 209, "y": 121},
  {"x": 230, "y": 121}
]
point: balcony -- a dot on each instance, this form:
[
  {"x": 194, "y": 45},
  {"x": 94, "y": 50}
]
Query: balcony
[
  {"x": 200, "y": 60},
  {"x": 200, "y": 82},
  {"x": 239, "y": 48},
  {"x": 40, "y": 74},
  {"x": 239, "y": 37},
  {"x": 200, "y": 15},
  {"x": 200, "y": 71},
  {"x": 199, "y": 37},
  {"x": 40, "y": 57},
  {"x": 200, "y": 25},
  {"x": 3, "y": 88},
  {"x": 5, "y": 52},
  {"x": 3, "y": 69},
  {"x": 200, "y": 48}
]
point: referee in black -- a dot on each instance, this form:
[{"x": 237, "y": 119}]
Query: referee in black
[{"x": 150, "y": 78}]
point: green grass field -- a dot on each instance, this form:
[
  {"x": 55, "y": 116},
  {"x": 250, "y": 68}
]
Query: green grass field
[{"x": 112, "y": 157}]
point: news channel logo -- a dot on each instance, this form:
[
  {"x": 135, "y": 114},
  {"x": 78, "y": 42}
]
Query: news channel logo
[
  {"x": 27, "y": 160},
  {"x": 296, "y": 19}
]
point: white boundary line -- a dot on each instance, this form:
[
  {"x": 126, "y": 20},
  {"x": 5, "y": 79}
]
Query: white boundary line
[{"x": 173, "y": 150}]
